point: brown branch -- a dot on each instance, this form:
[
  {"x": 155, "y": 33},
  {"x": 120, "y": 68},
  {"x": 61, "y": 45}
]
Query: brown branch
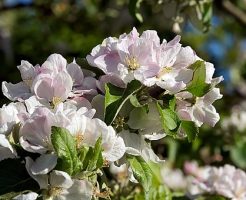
[{"x": 234, "y": 11}]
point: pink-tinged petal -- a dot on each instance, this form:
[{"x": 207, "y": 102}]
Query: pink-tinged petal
[
  {"x": 209, "y": 72},
  {"x": 94, "y": 129},
  {"x": 212, "y": 96},
  {"x": 42, "y": 87},
  {"x": 89, "y": 83},
  {"x": 62, "y": 85},
  {"x": 27, "y": 71},
  {"x": 9, "y": 116},
  {"x": 16, "y": 92},
  {"x": 48, "y": 86},
  {"x": 211, "y": 116},
  {"x": 41, "y": 179},
  {"x": 33, "y": 102},
  {"x": 116, "y": 152},
  {"x": 110, "y": 78},
  {"x": 105, "y": 56},
  {"x": 151, "y": 35},
  {"x": 184, "y": 75},
  {"x": 185, "y": 58},
  {"x": 167, "y": 53},
  {"x": 44, "y": 164},
  {"x": 198, "y": 115},
  {"x": 35, "y": 131},
  {"x": 60, "y": 179},
  {"x": 55, "y": 63},
  {"x": 76, "y": 74},
  {"x": 80, "y": 102}
]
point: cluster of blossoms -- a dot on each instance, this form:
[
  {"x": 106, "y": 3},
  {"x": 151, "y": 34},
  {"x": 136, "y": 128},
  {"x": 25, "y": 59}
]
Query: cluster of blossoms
[
  {"x": 71, "y": 123},
  {"x": 55, "y": 94},
  {"x": 226, "y": 180}
]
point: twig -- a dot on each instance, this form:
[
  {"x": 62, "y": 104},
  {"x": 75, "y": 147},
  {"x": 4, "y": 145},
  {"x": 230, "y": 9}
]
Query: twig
[{"x": 234, "y": 10}]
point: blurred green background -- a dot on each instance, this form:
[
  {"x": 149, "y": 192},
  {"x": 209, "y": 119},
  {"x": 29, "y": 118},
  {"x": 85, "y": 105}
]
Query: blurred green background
[{"x": 33, "y": 29}]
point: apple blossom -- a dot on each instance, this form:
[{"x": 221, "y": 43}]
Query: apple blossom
[
  {"x": 137, "y": 146},
  {"x": 9, "y": 116},
  {"x": 202, "y": 110}
]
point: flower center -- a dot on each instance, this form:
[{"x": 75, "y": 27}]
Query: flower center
[
  {"x": 56, "y": 101},
  {"x": 132, "y": 63},
  {"x": 79, "y": 137},
  {"x": 55, "y": 191},
  {"x": 164, "y": 70},
  {"x": 28, "y": 81}
]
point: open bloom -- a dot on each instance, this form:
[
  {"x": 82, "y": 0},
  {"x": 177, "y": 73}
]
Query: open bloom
[
  {"x": 57, "y": 185},
  {"x": 126, "y": 56},
  {"x": 202, "y": 111},
  {"x": 21, "y": 90},
  {"x": 226, "y": 181},
  {"x": 9, "y": 116},
  {"x": 137, "y": 146}
]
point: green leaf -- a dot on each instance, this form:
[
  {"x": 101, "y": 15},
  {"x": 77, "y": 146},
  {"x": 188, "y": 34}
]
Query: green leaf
[
  {"x": 82, "y": 153},
  {"x": 141, "y": 172},
  {"x": 65, "y": 147},
  {"x": 134, "y": 101},
  {"x": 169, "y": 119},
  {"x": 14, "y": 178},
  {"x": 94, "y": 156},
  {"x": 238, "y": 152},
  {"x": 116, "y": 97},
  {"x": 190, "y": 129},
  {"x": 197, "y": 86},
  {"x": 134, "y": 9}
]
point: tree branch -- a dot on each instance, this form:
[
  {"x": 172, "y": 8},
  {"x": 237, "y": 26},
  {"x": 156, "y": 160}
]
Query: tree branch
[{"x": 234, "y": 11}]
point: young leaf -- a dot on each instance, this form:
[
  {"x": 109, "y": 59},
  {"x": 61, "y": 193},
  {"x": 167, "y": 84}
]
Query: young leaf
[
  {"x": 190, "y": 129},
  {"x": 134, "y": 101},
  {"x": 116, "y": 97},
  {"x": 198, "y": 87},
  {"x": 14, "y": 177},
  {"x": 141, "y": 172},
  {"x": 169, "y": 119},
  {"x": 95, "y": 156},
  {"x": 65, "y": 147}
]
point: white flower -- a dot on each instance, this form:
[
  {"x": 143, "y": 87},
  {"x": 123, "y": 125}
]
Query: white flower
[
  {"x": 202, "y": 111},
  {"x": 28, "y": 196},
  {"x": 137, "y": 146},
  {"x": 174, "y": 178},
  {"x": 57, "y": 184},
  {"x": 9, "y": 116}
]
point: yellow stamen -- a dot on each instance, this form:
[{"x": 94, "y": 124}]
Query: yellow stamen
[
  {"x": 132, "y": 63},
  {"x": 79, "y": 137},
  {"x": 28, "y": 81},
  {"x": 55, "y": 191},
  {"x": 164, "y": 70},
  {"x": 56, "y": 101},
  {"x": 105, "y": 163}
]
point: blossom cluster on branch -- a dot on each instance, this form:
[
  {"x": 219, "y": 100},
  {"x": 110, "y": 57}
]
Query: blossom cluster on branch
[{"x": 67, "y": 124}]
